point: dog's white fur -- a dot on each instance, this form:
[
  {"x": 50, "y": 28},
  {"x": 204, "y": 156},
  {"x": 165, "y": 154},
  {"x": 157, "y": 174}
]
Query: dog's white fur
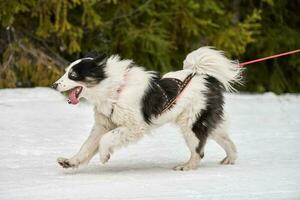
[{"x": 126, "y": 125}]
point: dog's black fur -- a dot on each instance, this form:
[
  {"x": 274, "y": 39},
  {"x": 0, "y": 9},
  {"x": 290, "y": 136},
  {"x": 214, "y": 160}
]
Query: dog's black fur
[
  {"x": 210, "y": 117},
  {"x": 89, "y": 71},
  {"x": 159, "y": 92}
]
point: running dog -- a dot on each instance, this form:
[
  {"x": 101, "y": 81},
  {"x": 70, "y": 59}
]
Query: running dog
[{"x": 129, "y": 101}]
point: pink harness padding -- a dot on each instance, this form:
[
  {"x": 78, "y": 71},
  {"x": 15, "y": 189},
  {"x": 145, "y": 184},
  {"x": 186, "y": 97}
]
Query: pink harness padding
[{"x": 119, "y": 90}]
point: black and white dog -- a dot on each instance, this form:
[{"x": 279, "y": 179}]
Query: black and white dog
[{"x": 129, "y": 101}]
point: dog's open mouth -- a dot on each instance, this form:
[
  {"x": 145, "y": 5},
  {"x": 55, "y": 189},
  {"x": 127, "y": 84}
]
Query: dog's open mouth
[{"x": 74, "y": 95}]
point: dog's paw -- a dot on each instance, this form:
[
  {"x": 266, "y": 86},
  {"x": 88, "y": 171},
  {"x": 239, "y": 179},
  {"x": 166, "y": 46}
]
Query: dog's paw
[
  {"x": 104, "y": 157},
  {"x": 105, "y": 153},
  {"x": 228, "y": 161},
  {"x": 66, "y": 163},
  {"x": 185, "y": 167}
]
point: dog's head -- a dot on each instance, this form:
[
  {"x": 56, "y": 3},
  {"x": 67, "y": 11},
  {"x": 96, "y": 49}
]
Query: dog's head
[{"x": 81, "y": 75}]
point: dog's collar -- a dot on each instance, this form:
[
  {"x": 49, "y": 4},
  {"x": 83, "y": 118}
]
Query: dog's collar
[{"x": 119, "y": 90}]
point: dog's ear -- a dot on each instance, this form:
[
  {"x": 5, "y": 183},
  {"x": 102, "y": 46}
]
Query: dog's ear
[
  {"x": 101, "y": 58},
  {"x": 98, "y": 57}
]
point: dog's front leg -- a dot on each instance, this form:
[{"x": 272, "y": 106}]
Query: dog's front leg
[
  {"x": 87, "y": 150},
  {"x": 116, "y": 138}
]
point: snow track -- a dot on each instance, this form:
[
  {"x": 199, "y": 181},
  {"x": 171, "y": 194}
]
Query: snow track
[{"x": 37, "y": 126}]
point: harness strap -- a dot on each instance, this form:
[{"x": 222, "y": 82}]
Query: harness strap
[
  {"x": 182, "y": 86},
  {"x": 119, "y": 91}
]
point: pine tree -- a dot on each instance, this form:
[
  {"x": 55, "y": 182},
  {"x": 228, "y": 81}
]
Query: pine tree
[{"x": 38, "y": 38}]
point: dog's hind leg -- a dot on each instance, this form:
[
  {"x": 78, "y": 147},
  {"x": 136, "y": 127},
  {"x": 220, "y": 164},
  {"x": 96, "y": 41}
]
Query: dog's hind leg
[
  {"x": 193, "y": 143},
  {"x": 222, "y": 138},
  {"x": 196, "y": 145}
]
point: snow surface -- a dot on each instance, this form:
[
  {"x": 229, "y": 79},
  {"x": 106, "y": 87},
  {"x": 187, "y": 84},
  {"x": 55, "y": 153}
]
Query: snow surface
[{"x": 37, "y": 126}]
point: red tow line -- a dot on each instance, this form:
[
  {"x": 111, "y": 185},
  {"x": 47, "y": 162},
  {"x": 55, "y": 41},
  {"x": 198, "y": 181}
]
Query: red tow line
[{"x": 269, "y": 57}]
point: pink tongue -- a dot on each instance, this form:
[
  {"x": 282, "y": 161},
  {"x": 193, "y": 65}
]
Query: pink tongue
[{"x": 72, "y": 97}]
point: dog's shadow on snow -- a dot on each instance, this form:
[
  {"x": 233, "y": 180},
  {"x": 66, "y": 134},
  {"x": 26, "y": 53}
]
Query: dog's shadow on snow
[{"x": 136, "y": 167}]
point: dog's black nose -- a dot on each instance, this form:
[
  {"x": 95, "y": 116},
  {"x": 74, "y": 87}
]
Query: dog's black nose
[{"x": 54, "y": 86}]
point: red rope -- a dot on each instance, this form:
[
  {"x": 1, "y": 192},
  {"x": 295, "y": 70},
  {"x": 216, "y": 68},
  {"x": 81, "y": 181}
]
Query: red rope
[{"x": 269, "y": 57}]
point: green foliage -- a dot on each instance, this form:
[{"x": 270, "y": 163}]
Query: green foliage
[
  {"x": 236, "y": 38},
  {"x": 37, "y": 36},
  {"x": 279, "y": 33}
]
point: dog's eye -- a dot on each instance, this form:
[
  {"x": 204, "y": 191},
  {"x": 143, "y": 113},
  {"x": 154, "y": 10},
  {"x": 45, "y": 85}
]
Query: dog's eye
[{"x": 73, "y": 75}]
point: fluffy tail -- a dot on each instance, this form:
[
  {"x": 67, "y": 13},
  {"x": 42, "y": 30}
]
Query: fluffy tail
[{"x": 206, "y": 60}]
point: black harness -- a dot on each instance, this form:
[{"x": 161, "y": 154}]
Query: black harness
[{"x": 169, "y": 103}]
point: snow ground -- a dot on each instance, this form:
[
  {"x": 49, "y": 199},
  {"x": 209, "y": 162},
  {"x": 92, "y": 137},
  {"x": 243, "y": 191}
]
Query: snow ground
[{"x": 37, "y": 126}]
